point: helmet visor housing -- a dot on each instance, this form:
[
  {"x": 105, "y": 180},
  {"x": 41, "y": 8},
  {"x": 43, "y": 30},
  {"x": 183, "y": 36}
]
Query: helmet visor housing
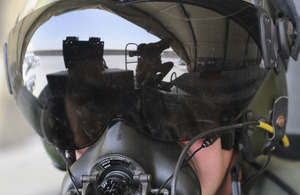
[{"x": 171, "y": 69}]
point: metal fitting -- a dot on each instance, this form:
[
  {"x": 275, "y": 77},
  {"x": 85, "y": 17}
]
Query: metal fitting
[
  {"x": 280, "y": 121},
  {"x": 249, "y": 114},
  {"x": 250, "y": 132}
]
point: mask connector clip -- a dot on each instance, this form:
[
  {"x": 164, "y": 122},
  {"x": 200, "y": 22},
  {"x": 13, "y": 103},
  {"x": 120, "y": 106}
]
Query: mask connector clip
[{"x": 279, "y": 119}]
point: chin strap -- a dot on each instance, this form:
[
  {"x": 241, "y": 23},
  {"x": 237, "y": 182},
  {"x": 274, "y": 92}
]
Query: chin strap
[{"x": 289, "y": 9}]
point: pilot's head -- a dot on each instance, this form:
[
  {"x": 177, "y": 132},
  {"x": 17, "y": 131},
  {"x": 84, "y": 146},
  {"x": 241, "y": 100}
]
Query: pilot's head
[{"x": 221, "y": 74}]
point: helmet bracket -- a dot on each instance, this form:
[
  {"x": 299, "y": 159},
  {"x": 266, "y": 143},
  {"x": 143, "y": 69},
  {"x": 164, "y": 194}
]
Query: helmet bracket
[
  {"x": 288, "y": 8},
  {"x": 267, "y": 40},
  {"x": 285, "y": 35},
  {"x": 279, "y": 117}
]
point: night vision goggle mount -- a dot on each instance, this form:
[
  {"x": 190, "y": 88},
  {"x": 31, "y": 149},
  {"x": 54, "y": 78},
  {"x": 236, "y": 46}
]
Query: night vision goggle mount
[{"x": 280, "y": 37}]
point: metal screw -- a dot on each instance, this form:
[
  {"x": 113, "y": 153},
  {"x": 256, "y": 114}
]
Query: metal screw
[
  {"x": 272, "y": 149},
  {"x": 249, "y": 114},
  {"x": 267, "y": 20},
  {"x": 280, "y": 121},
  {"x": 276, "y": 68},
  {"x": 250, "y": 132},
  {"x": 271, "y": 61}
]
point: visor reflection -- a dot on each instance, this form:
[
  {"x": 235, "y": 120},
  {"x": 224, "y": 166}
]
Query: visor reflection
[{"x": 182, "y": 77}]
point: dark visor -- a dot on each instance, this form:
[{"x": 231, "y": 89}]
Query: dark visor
[{"x": 171, "y": 69}]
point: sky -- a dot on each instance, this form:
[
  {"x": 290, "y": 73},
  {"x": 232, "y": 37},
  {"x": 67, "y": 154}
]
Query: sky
[{"x": 115, "y": 31}]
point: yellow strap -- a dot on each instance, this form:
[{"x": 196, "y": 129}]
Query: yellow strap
[{"x": 269, "y": 128}]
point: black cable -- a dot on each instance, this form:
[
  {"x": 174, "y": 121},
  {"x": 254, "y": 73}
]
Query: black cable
[
  {"x": 207, "y": 142},
  {"x": 247, "y": 184},
  {"x": 72, "y": 179},
  {"x": 165, "y": 183},
  {"x": 185, "y": 163},
  {"x": 276, "y": 180},
  {"x": 252, "y": 178},
  {"x": 194, "y": 139},
  {"x": 70, "y": 156}
]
